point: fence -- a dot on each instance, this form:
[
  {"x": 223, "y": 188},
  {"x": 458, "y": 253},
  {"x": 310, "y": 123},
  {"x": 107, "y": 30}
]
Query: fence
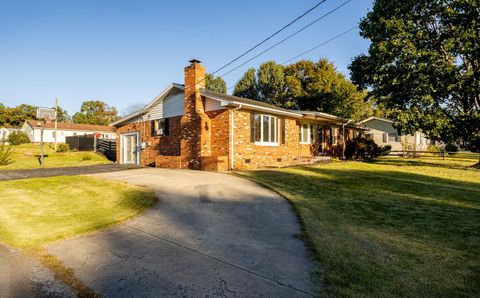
[
  {"x": 81, "y": 143},
  {"x": 107, "y": 148}
]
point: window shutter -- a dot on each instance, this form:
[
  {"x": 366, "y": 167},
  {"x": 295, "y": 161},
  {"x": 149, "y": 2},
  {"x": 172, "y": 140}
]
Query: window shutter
[
  {"x": 282, "y": 130},
  {"x": 385, "y": 137},
  {"x": 312, "y": 134},
  {"x": 252, "y": 127},
  {"x": 167, "y": 126},
  {"x": 152, "y": 128},
  {"x": 331, "y": 135}
]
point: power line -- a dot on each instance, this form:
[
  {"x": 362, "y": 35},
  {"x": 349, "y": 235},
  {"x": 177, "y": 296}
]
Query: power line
[
  {"x": 270, "y": 37},
  {"x": 314, "y": 48},
  {"x": 322, "y": 44},
  {"x": 288, "y": 37}
]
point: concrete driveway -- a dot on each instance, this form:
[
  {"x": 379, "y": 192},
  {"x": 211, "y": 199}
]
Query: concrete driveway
[{"x": 211, "y": 235}]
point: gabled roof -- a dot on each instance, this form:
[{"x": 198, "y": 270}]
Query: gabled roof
[
  {"x": 172, "y": 88},
  {"x": 70, "y": 126},
  {"x": 375, "y": 118}
]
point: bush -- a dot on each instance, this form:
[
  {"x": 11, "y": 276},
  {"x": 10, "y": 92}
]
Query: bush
[
  {"x": 362, "y": 148},
  {"x": 386, "y": 149},
  {"x": 433, "y": 148},
  {"x": 63, "y": 147},
  {"x": 6, "y": 154},
  {"x": 86, "y": 157},
  {"x": 18, "y": 138},
  {"x": 451, "y": 147}
]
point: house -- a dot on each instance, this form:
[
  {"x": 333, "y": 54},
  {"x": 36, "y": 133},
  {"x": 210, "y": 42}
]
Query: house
[
  {"x": 33, "y": 129},
  {"x": 382, "y": 132},
  {"x": 5, "y": 132},
  {"x": 187, "y": 126}
]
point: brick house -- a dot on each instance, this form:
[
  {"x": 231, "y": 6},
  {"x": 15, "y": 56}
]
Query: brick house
[{"x": 187, "y": 126}]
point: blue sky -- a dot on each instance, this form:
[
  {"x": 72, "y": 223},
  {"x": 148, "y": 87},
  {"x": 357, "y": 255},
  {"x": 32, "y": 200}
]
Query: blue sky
[{"x": 125, "y": 52}]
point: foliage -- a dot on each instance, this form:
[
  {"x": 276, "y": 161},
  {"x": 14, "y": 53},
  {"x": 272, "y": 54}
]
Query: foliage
[
  {"x": 16, "y": 116},
  {"x": 424, "y": 63},
  {"x": 95, "y": 112},
  {"x": 86, "y": 157},
  {"x": 450, "y": 147},
  {"x": 62, "y": 115},
  {"x": 133, "y": 108},
  {"x": 305, "y": 85},
  {"x": 18, "y": 138},
  {"x": 362, "y": 149},
  {"x": 63, "y": 147},
  {"x": 386, "y": 150},
  {"x": 216, "y": 84},
  {"x": 6, "y": 154},
  {"x": 433, "y": 148}
]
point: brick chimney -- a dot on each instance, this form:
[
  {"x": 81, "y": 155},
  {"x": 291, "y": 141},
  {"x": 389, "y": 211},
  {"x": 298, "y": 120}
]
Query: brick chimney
[{"x": 195, "y": 124}]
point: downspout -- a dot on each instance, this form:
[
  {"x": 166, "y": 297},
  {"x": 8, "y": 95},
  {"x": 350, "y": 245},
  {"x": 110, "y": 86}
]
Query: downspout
[{"x": 232, "y": 142}]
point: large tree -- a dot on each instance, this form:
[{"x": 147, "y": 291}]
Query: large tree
[
  {"x": 305, "y": 85},
  {"x": 423, "y": 63},
  {"x": 214, "y": 83},
  {"x": 95, "y": 112},
  {"x": 16, "y": 116}
]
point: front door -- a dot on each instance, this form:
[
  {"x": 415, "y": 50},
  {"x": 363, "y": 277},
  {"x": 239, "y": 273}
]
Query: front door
[{"x": 130, "y": 148}]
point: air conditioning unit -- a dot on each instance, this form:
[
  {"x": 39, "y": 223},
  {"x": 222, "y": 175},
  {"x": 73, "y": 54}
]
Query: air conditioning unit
[{"x": 159, "y": 132}]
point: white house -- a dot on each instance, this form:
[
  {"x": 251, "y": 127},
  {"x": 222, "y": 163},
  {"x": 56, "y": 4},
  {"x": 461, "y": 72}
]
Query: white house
[
  {"x": 5, "y": 132},
  {"x": 382, "y": 132},
  {"x": 33, "y": 130}
]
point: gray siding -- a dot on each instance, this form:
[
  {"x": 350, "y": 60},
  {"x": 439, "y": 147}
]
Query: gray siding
[
  {"x": 171, "y": 106},
  {"x": 212, "y": 105}
]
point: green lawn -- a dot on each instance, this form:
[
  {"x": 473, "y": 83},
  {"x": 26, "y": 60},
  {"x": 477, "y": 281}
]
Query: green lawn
[
  {"x": 393, "y": 227},
  {"x": 24, "y": 158},
  {"x": 40, "y": 210}
]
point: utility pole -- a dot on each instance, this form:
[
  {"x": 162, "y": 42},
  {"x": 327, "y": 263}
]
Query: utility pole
[{"x": 56, "y": 114}]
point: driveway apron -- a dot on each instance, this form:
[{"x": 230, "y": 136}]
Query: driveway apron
[{"x": 210, "y": 235}]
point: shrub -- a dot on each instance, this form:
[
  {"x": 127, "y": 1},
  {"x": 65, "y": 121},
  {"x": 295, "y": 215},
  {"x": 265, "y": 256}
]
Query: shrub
[
  {"x": 361, "y": 148},
  {"x": 6, "y": 154},
  {"x": 86, "y": 157},
  {"x": 433, "y": 148},
  {"x": 451, "y": 147},
  {"x": 386, "y": 149},
  {"x": 18, "y": 138},
  {"x": 63, "y": 147}
]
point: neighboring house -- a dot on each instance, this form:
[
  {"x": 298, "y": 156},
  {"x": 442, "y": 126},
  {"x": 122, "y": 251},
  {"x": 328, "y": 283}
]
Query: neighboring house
[
  {"x": 5, "y": 132},
  {"x": 187, "y": 126},
  {"x": 382, "y": 132},
  {"x": 33, "y": 129}
]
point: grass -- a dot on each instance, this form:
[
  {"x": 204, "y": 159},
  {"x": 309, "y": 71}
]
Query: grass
[
  {"x": 37, "y": 211},
  {"x": 24, "y": 158},
  {"x": 392, "y": 227}
]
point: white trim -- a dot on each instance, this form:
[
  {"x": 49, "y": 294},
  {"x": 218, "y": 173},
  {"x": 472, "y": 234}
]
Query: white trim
[
  {"x": 267, "y": 143},
  {"x": 122, "y": 144}
]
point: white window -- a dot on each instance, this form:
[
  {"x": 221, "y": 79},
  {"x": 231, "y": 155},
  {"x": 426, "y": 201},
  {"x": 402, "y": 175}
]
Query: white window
[
  {"x": 306, "y": 134},
  {"x": 265, "y": 129},
  {"x": 160, "y": 127}
]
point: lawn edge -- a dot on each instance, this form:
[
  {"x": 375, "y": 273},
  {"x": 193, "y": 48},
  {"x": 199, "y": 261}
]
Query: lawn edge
[{"x": 318, "y": 274}]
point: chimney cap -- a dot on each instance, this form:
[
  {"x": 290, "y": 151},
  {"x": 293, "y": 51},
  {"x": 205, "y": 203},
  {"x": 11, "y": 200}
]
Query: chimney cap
[{"x": 195, "y": 61}]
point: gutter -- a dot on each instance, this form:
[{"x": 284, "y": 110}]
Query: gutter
[{"x": 232, "y": 142}]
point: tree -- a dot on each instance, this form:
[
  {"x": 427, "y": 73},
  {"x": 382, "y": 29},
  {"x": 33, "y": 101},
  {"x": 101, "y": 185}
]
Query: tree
[
  {"x": 62, "y": 115},
  {"x": 95, "y": 112},
  {"x": 133, "y": 108},
  {"x": 216, "y": 84},
  {"x": 423, "y": 63},
  {"x": 246, "y": 87},
  {"x": 305, "y": 85},
  {"x": 16, "y": 116}
]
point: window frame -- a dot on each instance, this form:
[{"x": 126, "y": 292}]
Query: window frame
[
  {"x": 310, "y": 136},
  {"x": 335, "y": 133},
  {"x": 159, "y": 124},
  {"x": 262, "y": 122}
]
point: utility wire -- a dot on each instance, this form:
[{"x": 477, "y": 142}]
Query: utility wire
[
  {"x": 286, "y": 38},
  {"x": 322, "y": 44},
  {"x": 271, "y": 36},
  {"x": 263, "y": 41},
  {"x": 314, "y": 48}
]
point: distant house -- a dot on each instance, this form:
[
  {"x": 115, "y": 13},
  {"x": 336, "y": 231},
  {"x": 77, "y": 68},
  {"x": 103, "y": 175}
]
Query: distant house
[
  {"x": 33, "y": 130},
  {"x": 6, "y": 131},
  {"x": 381, "y": 131},
  {"x": 187, "y": 126}
]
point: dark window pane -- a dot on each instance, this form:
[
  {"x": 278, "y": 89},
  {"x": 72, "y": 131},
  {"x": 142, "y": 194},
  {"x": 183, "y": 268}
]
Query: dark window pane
[
  {"x": 266, "y": 132},
  {"x": 257, "y": 128}
]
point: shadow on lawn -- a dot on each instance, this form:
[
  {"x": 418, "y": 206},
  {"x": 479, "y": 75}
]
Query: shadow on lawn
[{"x": 422, "y": 162}]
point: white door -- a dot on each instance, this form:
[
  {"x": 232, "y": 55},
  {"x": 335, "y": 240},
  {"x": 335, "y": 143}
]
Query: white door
[{"x": 130, "y": 149}]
